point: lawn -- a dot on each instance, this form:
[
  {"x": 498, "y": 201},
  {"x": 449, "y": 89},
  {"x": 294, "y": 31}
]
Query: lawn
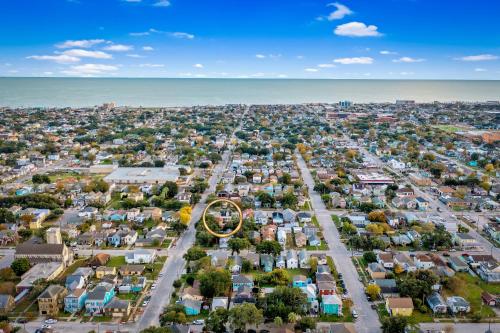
[
  {"x": 71, "y": 269},
  {"x": 116, "y": 261},
  {"x": 472, "y": 293},
  {"x": 322, "y": 247},
  {"x": 346, "y": 318},
  {"x": 449, "y": 128}
]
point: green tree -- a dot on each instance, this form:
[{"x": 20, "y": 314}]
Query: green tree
[
  {"x": 154, "y": 329},
  {"x": 172, "y": 189},
  {"x": 306, "y": 323},
  {"x": 278, "y": 321},
  {"x": 217, "y": 320},
  {"x": 238, "y": 244},
  {"x": 6, "y": 216},
  {"x": 284, "y": 300},
  {"x": 245, "y": 314},
  {"x": 269, "y": 247},
  {"x": 20, "y": 266},
  {"x": 214, "y": 282},
  {"x": 395, "y": 324},
  {"x": 194, "y": 253},
  {"x": 369, "y": 257}
]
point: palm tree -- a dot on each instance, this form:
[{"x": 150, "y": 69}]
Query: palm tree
[
  {"x": 293, "y": 317},
  {"x": 278, "y": 321}
]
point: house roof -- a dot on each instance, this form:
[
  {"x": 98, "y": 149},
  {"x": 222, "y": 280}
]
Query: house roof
[
  {"x": 39, "y": 249},
  {"x": 400, "y": 303},
  {"x": 52, "y": 291},
  {"x": 117, "y": 303},
  {"x": 4, "y": 300}
]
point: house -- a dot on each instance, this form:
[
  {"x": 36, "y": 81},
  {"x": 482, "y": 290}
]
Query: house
[
  {"x": 331, "y": 304},
  {"x": 267, "y": 262},
  {"x": 303, "y": 259},
  {"x": 300, "y": 239},
  {"x": 141, "y": 256},
  {"x": 388, "y": 287},
  {"x": 423, "y": 261},
  {"x": 242, "y": 281},
  {"x": 101, "y": 295},
  {"x": 7, "y": 303},
  {"x": 191, "y": 307},
  {"x": 74, "y": 282},
  {"x": 376, "y": 270},
  {"x": 304, "y": 217},
  {"x": 236, "y": 263},
  {"x": 219, "y": 258},
  {"x": 277, "y": 217},
  {"x": 282, "y": 236},
  {"x": 464, "y": 240},
  {"x": 100, "y": 259},
  {"x": 436, "y": 303},
  {"x": 489, "y": 299},
  {"x": 281, "y": 261},
  {"x": 399, "y": 306},
  {"x": 422, "y": 204},
  {"x": 75, "y": 300},
  {"x": 127, "y": 270},
  {"x": 300, "y": 281},
  {"x": 289, "y": 215},
  {"x": 219, "y": 302},
  {"x": 132, "y": 284},
  {"x": 386, "y": 259},
  {"x": 46, "y": 271},
  {"x": 292, "y": 259},
  {"x": 51, "y": 300},
  {"x": 489, "y": 271},
  {"x": 404, "y": 261},
  {"x": 457, "y": 304},
  {"x": 457, "y": 264},
  {"x": 326, "y": 287},
  {"x": 117, "y": 308},
  {"x": 122, "y": 237},
  {"x": 243, "y": 295},
  {"x": 314, "y": 240},
  {"x": 41, "y": 253},
  {"x": 102, "y": 271}
]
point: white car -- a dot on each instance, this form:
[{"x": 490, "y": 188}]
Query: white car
[
  {"x": 354, "y": 314},
  {"x": 46, "y": 326},
  {"x": 50, "y": 321},
  {"x": 153, "y": 286},
  {"x": 145, "y": 303},
  {"x": 199, "y": 322}
]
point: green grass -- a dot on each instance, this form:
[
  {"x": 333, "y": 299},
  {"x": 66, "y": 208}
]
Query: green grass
[
  {"x": 346, "y": 318},
  {"x": 129, "y": 297},
  {"x": 71, "y": 269},
  {"x": 102, "y": 319},
  {"x": 116, "y": 261},
  {"x": 449, "y": 128},
  {"x": 322, "y": 247}
]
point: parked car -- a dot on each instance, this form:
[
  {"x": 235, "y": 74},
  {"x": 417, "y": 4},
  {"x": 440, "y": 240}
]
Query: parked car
[
  {"x": 50, "y": 321},
  {"x": 199, "y": 322},
  {"x": 354, "y": 314}
]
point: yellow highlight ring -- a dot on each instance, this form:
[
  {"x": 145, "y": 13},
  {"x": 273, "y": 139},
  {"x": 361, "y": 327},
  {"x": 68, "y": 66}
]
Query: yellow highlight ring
[{"x": 232, "y": 232}]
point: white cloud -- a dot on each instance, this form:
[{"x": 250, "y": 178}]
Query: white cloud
[
  {"x": 182, "y": 35},
  {"x": 118, "y": 48},
  {"x": 354, "y": 61},
  {"x": 386, "y": 52},
  {"x": 147, "y": 48},
  {"x": 270, "y": 56},
  {"x": 478, "y": 57},
  {"x": 136, "y": 34},
  {"x": 260, "y": 56},
  {"x": 480, "y": 70},
  {"x": 152, "y": 65},
  {"x": 90, "y": 69},
  {"x": 162, "y": 3},
  {"x": 282, "y": 76},
  {"x": 84, "y": 43},
  {"x": 408, "y": 60},
  {"x": 326, "y": 65},
  {"x": 48, "y": 73},
  {"x": 341, "y": 11},
  {"x": 406, "y": 73},
  {"x": 357, "y": 29},
  {"x": 198, "y": 66},
  {"x": 133, "y": 55},
  {"x": 300, "y": 57},
  {"x": 311, "y": 70},
  {"x": 88, "y": 54},
  {"x": 60, "y": 58},
  {"x": 133, "y": 0},
  {"x": 258, "y": 75}
]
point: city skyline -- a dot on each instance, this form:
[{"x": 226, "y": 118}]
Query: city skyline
[{"x": 390, "y": 39}]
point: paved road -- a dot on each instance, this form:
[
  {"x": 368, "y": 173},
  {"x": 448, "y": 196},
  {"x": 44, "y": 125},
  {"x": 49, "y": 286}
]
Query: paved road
[
  {"x": 461, "y": 328},
  {"x": 368, "y": 321}
]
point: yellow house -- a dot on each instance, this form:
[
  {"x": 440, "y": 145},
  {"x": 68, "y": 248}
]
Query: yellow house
[
  {"x": 102, "y": 271},
  {"x": 399, "y": 306}
]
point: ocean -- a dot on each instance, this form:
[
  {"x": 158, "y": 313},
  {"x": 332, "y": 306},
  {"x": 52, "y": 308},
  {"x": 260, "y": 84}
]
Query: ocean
[{"x": 80, "y": 92}]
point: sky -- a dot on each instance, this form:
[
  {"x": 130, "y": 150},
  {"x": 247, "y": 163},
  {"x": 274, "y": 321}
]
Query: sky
[{"x": 348, "y": 39}]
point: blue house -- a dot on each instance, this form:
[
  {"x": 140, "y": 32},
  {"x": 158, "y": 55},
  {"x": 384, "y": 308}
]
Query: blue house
[
  {"x": 191, "y": 306},
  {"x": 74, "y": 282},
  {"x": 331, "y": 304},
  {"x": 300, "y": 281},
  {"x": 242, "y": 281},
  {"x": 75, "y": 300},
  {"x": 98, "y": 298},
  {"x": 129, "y": 285}
]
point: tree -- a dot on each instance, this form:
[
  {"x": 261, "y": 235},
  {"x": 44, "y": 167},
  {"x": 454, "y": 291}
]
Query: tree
[
  {"x": 238, "y": 244},
  {"x": 214, "y": 282},
  {"x": 321, "y": 188},
  {"x": 373, "y": 291},
  {"x": 284, "y": 300},
  {"x": 269, "y": 247},
  {"x": 245, "y": 314},
  {"x": 172, "y": 189},
  {"x": 6, "y": 216},
  {"x": 217, "y": 320},
  {"x": 293, "y": 317},
  {"x": 417, "y": 285},
  {"x": 278, "y": 321},
  {"x": 20, "y": 266},
  {"x": 370, "y": 257},
  {"x": 194, "y": 253},
  {"x": 395, "y": 324},
  {"x": 289, "y": 199},
  {"x": 489, "y": 167},
  {"x": 185, "y": 215},
  {"x": 306, "y": 323}
]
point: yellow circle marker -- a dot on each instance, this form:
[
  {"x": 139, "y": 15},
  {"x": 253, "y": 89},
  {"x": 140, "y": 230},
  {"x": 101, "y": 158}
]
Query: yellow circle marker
[{"x": 232, "y": 232}]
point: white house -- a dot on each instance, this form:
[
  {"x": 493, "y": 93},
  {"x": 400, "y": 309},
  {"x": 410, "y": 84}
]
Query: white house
[
  {"x": 292, "y": 260},
  {"x": 141, "y": 256}
]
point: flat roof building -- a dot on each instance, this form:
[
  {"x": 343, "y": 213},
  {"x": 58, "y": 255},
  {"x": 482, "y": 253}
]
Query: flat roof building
[{"x": 143, "y": 175}]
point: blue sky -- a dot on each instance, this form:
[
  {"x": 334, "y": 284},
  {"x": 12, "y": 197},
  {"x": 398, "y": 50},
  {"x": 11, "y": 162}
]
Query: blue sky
[{"x": 410, "y": 39}]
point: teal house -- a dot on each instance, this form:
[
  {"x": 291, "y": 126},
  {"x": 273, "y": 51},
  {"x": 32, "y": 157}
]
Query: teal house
[
  {"x": 242, "y": 281},
  {"x": 191, "y": 306},
  {"x": 102, "y": 294},
  {"x": 331, "y": 304},
  {"x": 300, "y": 281}
]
